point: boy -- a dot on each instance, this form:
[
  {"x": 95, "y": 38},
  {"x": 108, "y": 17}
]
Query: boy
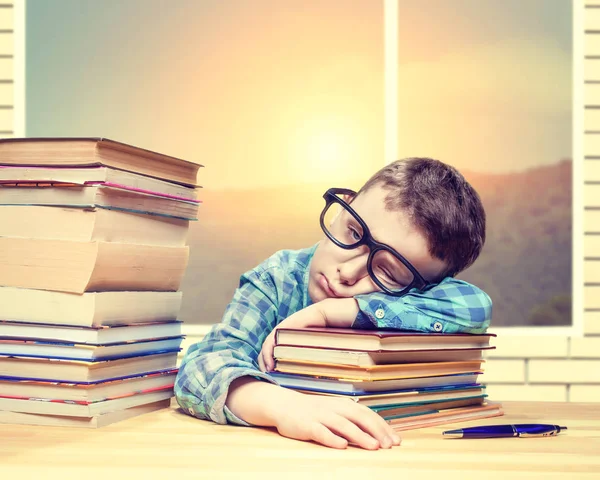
[{"x": 387, "y": 260}]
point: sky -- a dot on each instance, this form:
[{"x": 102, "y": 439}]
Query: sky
[{"x": 266, "y": 93}]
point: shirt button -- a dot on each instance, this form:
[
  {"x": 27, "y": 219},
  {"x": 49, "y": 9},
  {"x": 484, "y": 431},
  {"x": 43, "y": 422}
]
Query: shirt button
[
  {"x": 437, "y": 326},
  {"x": 379, "y": 313}
]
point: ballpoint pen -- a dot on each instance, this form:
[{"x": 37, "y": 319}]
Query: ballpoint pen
[{"x": 499, "y": 431}]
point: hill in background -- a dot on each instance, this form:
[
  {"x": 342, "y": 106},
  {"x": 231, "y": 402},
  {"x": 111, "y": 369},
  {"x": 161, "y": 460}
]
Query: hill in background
[{"x": 525, "y": 266}]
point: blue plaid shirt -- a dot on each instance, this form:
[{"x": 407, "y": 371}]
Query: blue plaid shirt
[{"x": 276, "y": 289}]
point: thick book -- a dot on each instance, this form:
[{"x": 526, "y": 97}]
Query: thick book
[
  {"x": 97, "y": 152},
  {"x": 92, "y": 309},
  {"x": 336, "y": 385},
  {"x": 447, "y": 416},
  {"x": 46, "y": 406},
  {"x": 78, "y": 371},
  {"x": 91, "y": 175},
  {"x": 107, "y": 196},
  {"x": 380, "y": 357},
  {"x": 96, "y": 421},
  {"x": 95, "y": 392},
  {"x": 92, "y": 225},
  {"x": 376, "y": 340},
  {"x": 378, "y": 372},
  {"x": 90, "y": 335},
  {"x": 406, "y": 397},
  {"x": 35, "y": 348},
  {"x": 390, "y": 412},
  {"x": 79, "y": 267}
]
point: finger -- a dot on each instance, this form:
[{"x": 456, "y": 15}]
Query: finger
[
  {"x": 345, "y": 428},
  {"x": 373, "y": 424},
  {"x": 321, "y": 434},
  {"x": 261, "y": 362},
  {"x": 269, "y": 352}
]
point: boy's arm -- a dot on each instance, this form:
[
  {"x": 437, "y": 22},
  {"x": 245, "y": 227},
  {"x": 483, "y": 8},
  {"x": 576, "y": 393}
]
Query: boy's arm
[
  {"x": 452, "y": 306},
  {"x": 219, "y": 380},
  {"x": 229, "y": 351}
]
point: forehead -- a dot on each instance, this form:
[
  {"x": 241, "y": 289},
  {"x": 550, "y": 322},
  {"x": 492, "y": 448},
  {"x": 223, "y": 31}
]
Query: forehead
[
  {"x": 395, "y": 229},
  {"x": 386, "y": 226}
]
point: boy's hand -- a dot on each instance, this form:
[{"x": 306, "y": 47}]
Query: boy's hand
[
  {"x": 331, "y": 312},
  {"x": 330, "y": 421},
  {"x": 334, "y": 422}
]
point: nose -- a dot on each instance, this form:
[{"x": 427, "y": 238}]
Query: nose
[{"x": 354, "y": 267}]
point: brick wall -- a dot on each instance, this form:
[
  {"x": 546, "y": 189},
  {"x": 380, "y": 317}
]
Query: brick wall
[{"x": 6, "y": 69}]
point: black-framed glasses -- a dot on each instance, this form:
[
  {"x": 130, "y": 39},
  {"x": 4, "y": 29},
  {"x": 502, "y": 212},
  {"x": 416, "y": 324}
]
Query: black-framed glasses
[{"x": 393, "y": 273}]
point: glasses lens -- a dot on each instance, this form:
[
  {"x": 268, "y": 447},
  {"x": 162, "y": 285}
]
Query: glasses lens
[
  {"x": 342, "y": 225},
  {"x": 391, "y": 272}
]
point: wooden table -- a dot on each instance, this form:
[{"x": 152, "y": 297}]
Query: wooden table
[{"x": 170, "y": 445}]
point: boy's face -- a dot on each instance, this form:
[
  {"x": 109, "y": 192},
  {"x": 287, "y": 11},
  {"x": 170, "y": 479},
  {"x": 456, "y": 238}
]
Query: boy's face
[{"x": 337, "y": 272}]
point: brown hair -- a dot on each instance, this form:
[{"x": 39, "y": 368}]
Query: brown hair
[{"x": 442, "y": 205}]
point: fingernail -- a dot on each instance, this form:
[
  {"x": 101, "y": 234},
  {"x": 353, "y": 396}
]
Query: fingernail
[
  {"x": 374, "y": 443},
  {"x": 396, "y": 439},
  {"x": 386, "y": 442}
]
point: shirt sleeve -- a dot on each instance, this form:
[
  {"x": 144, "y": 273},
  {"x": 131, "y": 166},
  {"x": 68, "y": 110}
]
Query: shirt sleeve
[
  {"x": 452, "y": 306},
  {"x": 229, "y": 351}
]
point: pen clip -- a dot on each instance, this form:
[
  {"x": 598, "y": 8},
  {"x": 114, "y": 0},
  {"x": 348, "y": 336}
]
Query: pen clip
[{"x": 550, "y": 433}]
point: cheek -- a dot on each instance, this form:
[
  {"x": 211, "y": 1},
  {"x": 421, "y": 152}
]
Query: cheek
[{"x": 364, "y": 285}]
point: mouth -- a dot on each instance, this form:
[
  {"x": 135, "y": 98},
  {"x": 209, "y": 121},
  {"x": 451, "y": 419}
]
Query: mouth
[{"x": 324, "y": 283}]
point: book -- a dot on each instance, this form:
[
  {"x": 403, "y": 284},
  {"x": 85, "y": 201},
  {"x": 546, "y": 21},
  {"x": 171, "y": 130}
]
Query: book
[
  {"x": 91, "y": 309},
  {"x": 90, "y": 175},
  {"x": 85, "y": 225},
  {"x": 107, "y": 196},
  {"x": 377, "y": 372},
  {"x": 404, "y": 397},
  {"x": 59, "y": 407},
  {"x": 359, "y": 358},
  {"x": 97, "y": 152},
  {"x": 96, "y": 421},
  {"x": 389, "y": 412},
  {"x": 79, "y": 371},
  {"x": 443, "y": 417},
  {"x": 90, "y": 335},
  {"x": 80, "y": 267},
  {"x": 376, "y": 340},
  {"x": 78, "y": 392},
  {"x": 337, "y": 385},
  {"x": 86, "y": 352}
]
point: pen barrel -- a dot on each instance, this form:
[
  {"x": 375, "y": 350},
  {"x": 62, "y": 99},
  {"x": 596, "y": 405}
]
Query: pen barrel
[{"x": 496, "y": 431}]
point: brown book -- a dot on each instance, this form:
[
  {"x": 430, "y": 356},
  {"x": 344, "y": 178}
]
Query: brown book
[
  {"x": 19, "y": 175},
  {"x": 102, "y": 225},
  {"x": 397, "y": 412},
  {"x": 381, "y": 357},
  {"x": 378, "y": 372},
  {"x": 96, "y": 421},
  {"x": 407, "y": 397},
  {"x": 97, "y": 152},
  {"x": 44, "y": 407},
  {"x": 90, "y": 335},
  {"x": 76, "y": 371},
  {"x": 80, "y": 267},
  {"x": 99, "y": 196},
  {"x": 376, "y": 340},
  {"x": 87, "y": 392},
  {"x": 451, "y": 415},
  {"x": 92, "y": 309}
]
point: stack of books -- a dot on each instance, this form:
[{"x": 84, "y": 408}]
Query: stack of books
[
  {"x": 93, "y": 249},
  {"x": 412, "y": 380}
]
